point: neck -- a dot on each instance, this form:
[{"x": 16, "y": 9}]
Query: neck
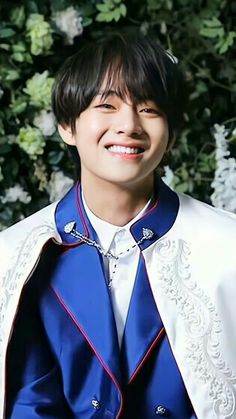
[{"x": 116, "y": 204}]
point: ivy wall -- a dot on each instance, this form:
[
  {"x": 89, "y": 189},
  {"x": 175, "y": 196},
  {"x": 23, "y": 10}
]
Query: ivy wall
[{"x": 35, "y": 39}]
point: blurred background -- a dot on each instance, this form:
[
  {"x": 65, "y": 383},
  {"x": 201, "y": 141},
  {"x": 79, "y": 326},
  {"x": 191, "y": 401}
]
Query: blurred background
[{"x": 35, "y": 39}]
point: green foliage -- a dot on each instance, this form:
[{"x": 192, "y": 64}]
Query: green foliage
[
  {"x": 213, "y": 28},
  {"x": 39, "y": 32},
  {"x": 33, "y": 45},
  {"x": 39, "y": 89},
  {"x": 31, "y": 141},
  {"x": 111, "y": 10}
]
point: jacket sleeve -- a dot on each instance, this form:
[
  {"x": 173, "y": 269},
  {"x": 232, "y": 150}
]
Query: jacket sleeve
[{"x": 34, "y": 384}]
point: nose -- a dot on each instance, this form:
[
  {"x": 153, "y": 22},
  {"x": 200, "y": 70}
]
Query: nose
[{"x": 127, "y": 121}]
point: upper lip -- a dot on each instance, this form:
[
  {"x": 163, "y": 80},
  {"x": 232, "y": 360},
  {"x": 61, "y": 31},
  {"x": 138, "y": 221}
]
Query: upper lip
[{"x": 133, "y": 144}]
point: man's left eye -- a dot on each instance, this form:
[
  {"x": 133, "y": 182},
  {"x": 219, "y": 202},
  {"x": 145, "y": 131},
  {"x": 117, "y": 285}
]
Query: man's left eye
[{"x": 150, "y": 110}]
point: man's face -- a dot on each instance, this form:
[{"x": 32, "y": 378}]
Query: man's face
[{"x": 119, "y": 142}]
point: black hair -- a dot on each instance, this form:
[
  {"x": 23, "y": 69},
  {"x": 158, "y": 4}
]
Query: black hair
[{"x": 135, "y": 66}]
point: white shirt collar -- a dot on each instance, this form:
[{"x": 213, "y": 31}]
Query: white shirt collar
[{"x": 106, "y": 231}]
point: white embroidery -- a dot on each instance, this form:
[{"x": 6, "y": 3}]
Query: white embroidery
[
  {"x": 201, "y": 323},
  {"x": 22, "y": 262}
]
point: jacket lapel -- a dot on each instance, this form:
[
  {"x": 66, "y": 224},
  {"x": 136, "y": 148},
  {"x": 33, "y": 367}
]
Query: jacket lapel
[
  {"x": 143, "y": 325},
  {"x": 81, "y": 286}
]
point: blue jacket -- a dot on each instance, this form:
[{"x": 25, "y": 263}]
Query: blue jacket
[{"x": 64, "y": 360}]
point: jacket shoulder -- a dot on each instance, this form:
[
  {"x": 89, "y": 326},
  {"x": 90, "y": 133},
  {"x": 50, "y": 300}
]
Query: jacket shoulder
[
  {"x": 202, "y": 219},
  {"x": 39, "y": 226}
]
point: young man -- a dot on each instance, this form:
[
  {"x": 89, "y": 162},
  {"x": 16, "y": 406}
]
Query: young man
[{"x": 118, "y": 301}]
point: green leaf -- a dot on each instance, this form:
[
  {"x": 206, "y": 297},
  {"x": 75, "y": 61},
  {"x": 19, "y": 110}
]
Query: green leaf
[
  {"x": 5, "y": 47},
  {"x": 153, "y": 5},
  {"x": 212, "y": 32},
  {"x": 12, "y": 75},
  {"x": 109, "y": 4},
  {"x": 19, "y": 57},
  {"x": 116, "y": 15},
  {"x": 224, "y": 44},
  {"x": 109, "y": 17},
  {"x": 101, "y": 17},
  {"x": 18, "y": 106},
  {"x": 123, "y": 10},
  {"x": 2, "y": 131},
  {"x": 182, "y": 187},
  {"x": 212, "y": 23},
  {"x": 201, "y": 87},
  {"x": 6, "y": 215},
  {"x": 54, "y": 157},
  {"x": 19, "y": 47},
  {"x": 87, "y": 21},
  {"x": 18, "y": 16},
  {"x": 6, "y": 32},
  {"x": 102, "y": 7}
]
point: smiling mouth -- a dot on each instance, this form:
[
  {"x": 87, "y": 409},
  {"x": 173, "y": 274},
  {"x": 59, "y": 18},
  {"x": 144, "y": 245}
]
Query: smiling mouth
[{"x": 125, "y": 150}]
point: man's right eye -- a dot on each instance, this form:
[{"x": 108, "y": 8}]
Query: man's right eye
[{"x": 105, "y": 106}]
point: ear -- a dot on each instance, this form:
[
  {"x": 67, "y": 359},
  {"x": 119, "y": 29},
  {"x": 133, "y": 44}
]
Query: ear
[{"x": 66, "y": 134}]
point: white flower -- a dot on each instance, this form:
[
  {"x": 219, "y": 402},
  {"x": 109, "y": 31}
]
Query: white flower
[
  {"x": 45, "y": 121},
  {"x": 220, "y": 133},
  {"x": 69, "y": 22},
  {"x": 224, "y": 183},
  {"x": 16, "y": 193},
  {"x": 168, "y": 176},
  {"x": 58, "y": 185}
]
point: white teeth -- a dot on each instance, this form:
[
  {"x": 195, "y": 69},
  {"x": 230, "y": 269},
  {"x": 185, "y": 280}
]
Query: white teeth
[{"x": 123, "y": 150}]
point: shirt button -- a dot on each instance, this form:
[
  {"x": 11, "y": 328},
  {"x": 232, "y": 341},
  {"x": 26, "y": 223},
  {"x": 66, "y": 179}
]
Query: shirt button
[
  {"x": 96, "y": 405},
  {"x": 161, "y": 411}
]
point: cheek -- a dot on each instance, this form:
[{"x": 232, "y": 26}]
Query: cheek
[
  {"x": 160, "y": 134},
  {"x": 91, "y": 129}
]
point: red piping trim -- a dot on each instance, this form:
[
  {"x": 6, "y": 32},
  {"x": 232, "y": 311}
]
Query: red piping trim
[
  {"x": 159, "y": 336},
  {"x": 91, "y": 345},
  {"x": 69, "y": 246},
  {"x": 80, "y": 211},
  {"x": 44, "y": 247}
]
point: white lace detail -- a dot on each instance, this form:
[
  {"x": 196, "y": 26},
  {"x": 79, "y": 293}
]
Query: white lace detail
[
  {"x": 201, "y": 323},
  {"x": 21, "y": 263}
]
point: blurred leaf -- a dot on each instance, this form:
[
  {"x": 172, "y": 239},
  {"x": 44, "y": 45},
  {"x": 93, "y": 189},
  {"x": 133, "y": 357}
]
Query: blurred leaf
[
  {"x": 17, "y": 16},
  {"x": 103, "y": 7},
  {"x": 54, "y": 157},
  {"x": 5, "y": 47},
  {"x": 226, "y": 42},
  {"x": 6, "y": 32},
  {"x": 123, "y": 10},
  {"x": 182, "y": 187}
]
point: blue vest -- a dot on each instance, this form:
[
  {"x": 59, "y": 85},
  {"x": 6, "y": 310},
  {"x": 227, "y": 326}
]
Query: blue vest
[{"x": 64, "y": 350}]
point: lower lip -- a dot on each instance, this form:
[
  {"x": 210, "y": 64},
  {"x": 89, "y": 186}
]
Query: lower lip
[{"x": 125, "y": 156}]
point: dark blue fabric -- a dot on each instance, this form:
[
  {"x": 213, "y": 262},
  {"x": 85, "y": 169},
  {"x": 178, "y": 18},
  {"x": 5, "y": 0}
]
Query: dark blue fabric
[
  {"x": 34, "y": 385},
  {"x": 143, "y": 324},
  {"x": 160, "y": 218},
  {"x": 158, "y": 383}
]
